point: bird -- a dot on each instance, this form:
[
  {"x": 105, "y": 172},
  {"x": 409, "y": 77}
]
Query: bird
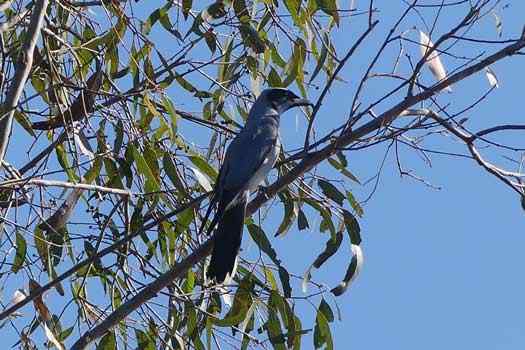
[{"x": 247, "y": 161}]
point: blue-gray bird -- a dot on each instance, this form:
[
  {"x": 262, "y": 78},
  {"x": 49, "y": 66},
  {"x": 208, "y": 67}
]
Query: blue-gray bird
[{"x": 249, "y": 158}]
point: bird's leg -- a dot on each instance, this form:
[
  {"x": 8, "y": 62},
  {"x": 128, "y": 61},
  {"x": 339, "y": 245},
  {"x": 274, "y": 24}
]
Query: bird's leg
[{"x": 263, "y": 190}]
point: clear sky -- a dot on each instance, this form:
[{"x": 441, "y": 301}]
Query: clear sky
[{"x": 443, "y": 268}]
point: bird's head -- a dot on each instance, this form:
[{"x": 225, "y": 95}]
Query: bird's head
[{"x": 282, "y": 99}]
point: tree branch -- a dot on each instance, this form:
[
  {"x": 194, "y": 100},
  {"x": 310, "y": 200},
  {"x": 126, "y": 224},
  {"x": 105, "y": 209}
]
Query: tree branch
[{"x": 23, "y": 67}]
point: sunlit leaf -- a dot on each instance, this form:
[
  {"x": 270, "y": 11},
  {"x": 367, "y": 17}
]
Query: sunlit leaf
[
  {"x": 353, "y": 270},
  {"x": 499, "y": 24},
  {"x": 108, "y": 342},
  {"x": 21, "y": 249},
  {"x": 491, "y": 77}
]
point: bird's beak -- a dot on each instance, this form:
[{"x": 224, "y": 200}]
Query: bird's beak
[{"x": 301, "y": 102}]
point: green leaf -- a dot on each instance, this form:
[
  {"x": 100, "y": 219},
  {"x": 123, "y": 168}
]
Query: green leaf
[
  {"x": 342, "y": 168},
  {"x": 332, "y": 245},
  {"x": 251, "y": 38},
  {"x": 275, "y": 333},
  {"x": 352, "y": 271},
  {"x": 64, "y": 163},
  {"x": 293, "y": 7},
  {"x": 352, "y": 227},
  {"x": 263, "y": 243},
  {"x": 276, "y": 56},
  {"x": 330, "y": 8},
  {"x": 354, "y": 204},
  {"x": 211, "y": 41},
  {"x": 322, "y": 333},
  {"x": 302, "y": 221},
  {"x": 321, "y": 60},
  {"x": 204, "y": 166},
  {"x": 325, "y": 309},
  {"x": 108, "y": 342},
  {"x": 274, "y": 79},
  {"x": 186, "y": 7},
  {"x": 21, "y": 249},
  {"x": 41, "y": 246},
  {"x": 144, "y": 340},
  {"x": 185, "y": 84},
  {"x": 331, "y": 191},
  {"x": 22, "y": 119},
  {"x": 173, "y": 175},
  {"x": 189, "y": 283},
  {"x": 290, "y": 214},
  {"x": 284, "y": 276},
  {"x": 241, "y": 303},
  {"x": 152, "y": 184}
]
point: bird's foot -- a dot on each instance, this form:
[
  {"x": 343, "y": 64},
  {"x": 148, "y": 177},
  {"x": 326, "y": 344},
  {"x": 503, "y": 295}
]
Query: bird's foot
[{"x": 263, "y": 191}]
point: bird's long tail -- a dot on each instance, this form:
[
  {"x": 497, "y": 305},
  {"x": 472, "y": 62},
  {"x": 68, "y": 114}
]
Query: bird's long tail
[{"x": 227, "y": 242}]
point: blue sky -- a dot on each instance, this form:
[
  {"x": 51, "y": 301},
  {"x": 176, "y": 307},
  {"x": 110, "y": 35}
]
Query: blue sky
[{"x": 443, "y": 268}]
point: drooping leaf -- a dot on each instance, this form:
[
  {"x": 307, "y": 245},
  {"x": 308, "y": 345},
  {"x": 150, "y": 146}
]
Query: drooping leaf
[
  {"x": 330, "y": 8},
  {"x": 302, "y": 221},
  {"x": 332, "y": 245},
  {"x": 41, "y": 246},
  {"x": 21, "y": 249},
  {"x": 275, "y": 333},
  {"x": 491, "y": 77},
  {"x": 152, "y": 184},
  {"x": 204, "y": 166},
  {"x": 284, "y": 276},
  {"x": 145, "y": 340},
  {"x": 351, "y": 273},
  {"x": 352, "y": 227},
  {"x": 322, "y": 58},
  {"x": 241, "y": 303},
  {"x": 262, "y": 242},
  {"x": 354, "y": 204},
  {"x": 337, "y": 164},
  {"x": 331, "y": 191},
  {"x": 322, "y": 333},
  {"x": 291, "y": 210},
  {"x": 108, "y": 342},
  {"x": 499, "y": 24},
  {"x": 186, "y": 7},
  {"x": 202, "y": 179},
  {"x": 433, "y": 61}
]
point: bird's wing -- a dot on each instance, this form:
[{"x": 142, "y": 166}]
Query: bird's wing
[{"x": 244, "y": 157}]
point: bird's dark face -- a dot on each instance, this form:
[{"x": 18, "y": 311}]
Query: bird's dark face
[{"x": 283, "y": 99}]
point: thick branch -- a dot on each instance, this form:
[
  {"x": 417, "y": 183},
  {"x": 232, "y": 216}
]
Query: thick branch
[{"x": 23, "y": 67}]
